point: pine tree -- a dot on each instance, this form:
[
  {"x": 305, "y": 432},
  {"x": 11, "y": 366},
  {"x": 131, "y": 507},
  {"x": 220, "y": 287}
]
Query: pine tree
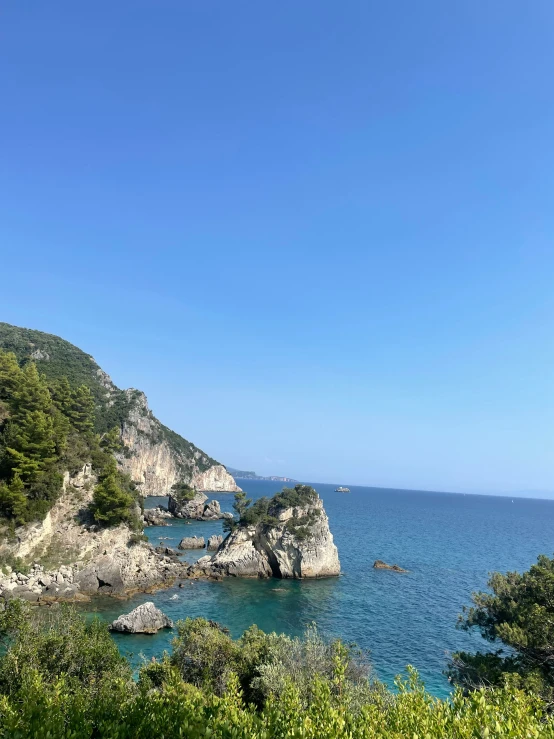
[
  {"x": 81, "y": 413},
  {"x": 30, "y": 393},
  {"x": 10, "y": 373},
  {"x": 61, "y": 393},
  {"x": 32, "y": 444},
  {"x": 13, "y": 502},
  {"x": 110, "y": 504}
]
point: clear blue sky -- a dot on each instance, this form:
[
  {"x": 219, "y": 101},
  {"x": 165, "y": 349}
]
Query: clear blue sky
[{"x": 318, "y": 234}]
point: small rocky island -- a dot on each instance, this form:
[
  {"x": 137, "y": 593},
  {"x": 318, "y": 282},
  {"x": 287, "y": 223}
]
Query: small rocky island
[
  {"x": 286, "y": 536},
  {"x": 380, "y": 565},
  {"x": 185, "y": 502}
]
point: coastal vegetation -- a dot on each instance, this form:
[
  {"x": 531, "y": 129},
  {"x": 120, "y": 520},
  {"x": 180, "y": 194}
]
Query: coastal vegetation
[{"x": 62, "y": 676}]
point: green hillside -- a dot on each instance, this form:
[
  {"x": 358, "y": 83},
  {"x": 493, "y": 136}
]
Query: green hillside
[{"x": 56, "y": 358}]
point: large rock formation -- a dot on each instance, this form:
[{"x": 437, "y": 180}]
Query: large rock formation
[
  {"x": 144, "y": 619},
  {"x": 196, "y": 508},
  {"x": 296, "y": 544}
]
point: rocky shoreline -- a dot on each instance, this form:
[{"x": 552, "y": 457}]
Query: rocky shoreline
[{"x": 119, "y": 562}]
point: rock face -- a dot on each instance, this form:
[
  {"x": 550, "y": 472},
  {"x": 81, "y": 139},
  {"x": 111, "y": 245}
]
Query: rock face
[
  {"x": 216, "y": 479},
  {"x": 196, "y": 509},
  {"x": 156, "y": 516},
  {"x": 281, "y": 550},
  {"x": 145, "y": 619},
  {"x": 192, "y": 542},
  {"x": 103, "y": 561},
  {"x": 214, "y": 542},
  {"x": 380, "y": 565},
  {"x": 157, "y": 458}
]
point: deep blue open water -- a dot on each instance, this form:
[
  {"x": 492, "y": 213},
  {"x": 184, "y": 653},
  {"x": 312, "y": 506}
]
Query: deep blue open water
[{"x": 448, "y": 542}]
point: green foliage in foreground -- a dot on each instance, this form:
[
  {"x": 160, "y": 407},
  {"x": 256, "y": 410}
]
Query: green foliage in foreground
[
  {"x": 63, "y": 678},
  {"x": 519, "y": 615}
]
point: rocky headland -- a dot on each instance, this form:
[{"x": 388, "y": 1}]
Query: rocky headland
[
  {"x": 57, "y": 541},
  {"x": 73, "y": 559}
]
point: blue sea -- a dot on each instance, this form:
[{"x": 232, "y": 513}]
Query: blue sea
[{"x": 448, "y": 542}]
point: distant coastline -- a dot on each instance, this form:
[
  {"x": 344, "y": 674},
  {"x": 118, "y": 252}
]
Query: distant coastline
[{"x": 247, "y": 475}]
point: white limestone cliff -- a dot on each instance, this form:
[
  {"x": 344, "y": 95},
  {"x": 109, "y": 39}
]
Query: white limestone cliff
[{"x": 156, "y": 458}]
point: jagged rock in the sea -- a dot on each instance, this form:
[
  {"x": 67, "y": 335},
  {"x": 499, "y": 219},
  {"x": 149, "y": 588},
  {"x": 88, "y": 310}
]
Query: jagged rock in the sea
[
  {"x": 156, "y": 516},
  {"x": 214, "y": 542},
  {"x": 192, "y": 542},
  {"x": 380, "y": 565},
  {"x": 145, "y": 619},
  {"x": 298, "y": 544},
  {"x": 196, "y": 509}
]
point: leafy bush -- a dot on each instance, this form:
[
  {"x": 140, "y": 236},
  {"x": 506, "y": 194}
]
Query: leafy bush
[{"x": 266, "y": 510}]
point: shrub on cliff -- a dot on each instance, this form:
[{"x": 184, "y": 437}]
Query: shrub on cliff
[{"x": 262, "y": 510}]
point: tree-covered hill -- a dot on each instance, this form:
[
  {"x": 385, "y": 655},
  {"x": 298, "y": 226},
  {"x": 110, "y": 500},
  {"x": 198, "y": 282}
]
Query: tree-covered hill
[
  {"x": 56, "y": 358},
  {"x": 58, "y": 411}
]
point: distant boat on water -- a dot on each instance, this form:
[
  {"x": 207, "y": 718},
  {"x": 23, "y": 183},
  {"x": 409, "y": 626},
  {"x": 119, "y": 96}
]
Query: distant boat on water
[{"x": 342, "y": 490}]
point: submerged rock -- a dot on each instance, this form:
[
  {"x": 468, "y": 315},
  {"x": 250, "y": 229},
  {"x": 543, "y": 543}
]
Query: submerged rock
[
  {"x": 380, "y": 565},
  {"x": 192, "y": 542},
  {"x": 145, "y": 619}
]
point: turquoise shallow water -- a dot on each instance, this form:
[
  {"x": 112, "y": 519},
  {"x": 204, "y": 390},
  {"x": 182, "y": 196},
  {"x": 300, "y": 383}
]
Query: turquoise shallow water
[{"x": 448, "y": 542}]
